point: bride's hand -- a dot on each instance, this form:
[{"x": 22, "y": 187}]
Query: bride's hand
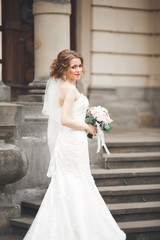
[{"x": 92, "y": 129}]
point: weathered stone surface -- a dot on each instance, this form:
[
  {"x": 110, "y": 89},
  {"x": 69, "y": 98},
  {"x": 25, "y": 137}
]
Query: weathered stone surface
[
  {"x": 147, "y": 120},
  {"x": 28, "y": 129},
  {"x": 30, "y": 194},
  {"x": 32, "y": 98},
  {"x": 7, "y": 211},
  {"x": 38, "y": 155},
  {"x": 32, "y": 108},
  {"x": 4, "y": 92},
  {"x": 53, "y": 1},
  {"x": 8, "y": 134},
  {"x": 96, "y": 160},
  {"x": 10, "y": 114},
  {"x": 129, "y": 107},
  {"x": 13, "y": 163},
  {"x": 11, "y": 237}
]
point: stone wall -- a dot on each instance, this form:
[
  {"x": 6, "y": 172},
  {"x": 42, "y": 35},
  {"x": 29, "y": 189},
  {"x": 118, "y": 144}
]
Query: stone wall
[{"x": 125, "y": 58}]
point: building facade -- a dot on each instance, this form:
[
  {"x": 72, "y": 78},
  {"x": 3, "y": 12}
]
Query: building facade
[{"x": 120, "y": 43}]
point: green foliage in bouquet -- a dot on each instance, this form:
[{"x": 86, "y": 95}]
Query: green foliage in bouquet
[
  {"x": 90, "y": 119},
  {"x": 107, "y": 127}
]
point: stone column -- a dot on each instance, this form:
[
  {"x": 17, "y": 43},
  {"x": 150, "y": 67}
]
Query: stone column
[
  {"x": 4, "y": 90},
  {"x": 83, "y": 29},
  {"x": 51, "y": 35}
]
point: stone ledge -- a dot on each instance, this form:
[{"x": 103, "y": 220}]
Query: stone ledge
[
  {"x": 11, "y": 237},
  {"x": 51, "y": 8},
  {"x": 140, "y": 226},
  {"x": 137, "y": 207},
  {"x": 4, "y": 92},
  {"x": 136, "y": 156},
  {"x": 11, "y": 114},
  {"x": 7, "y": 211},
  {"x": 129, "y": 190},
  {"x": 125, "y": 172}
]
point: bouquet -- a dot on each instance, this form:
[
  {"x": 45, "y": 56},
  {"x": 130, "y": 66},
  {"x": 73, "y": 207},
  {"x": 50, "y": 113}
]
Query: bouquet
[{"x": 99, "y": 117}]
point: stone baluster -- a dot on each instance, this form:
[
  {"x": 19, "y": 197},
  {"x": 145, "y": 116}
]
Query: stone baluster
[{"x": 13, "y": 162}]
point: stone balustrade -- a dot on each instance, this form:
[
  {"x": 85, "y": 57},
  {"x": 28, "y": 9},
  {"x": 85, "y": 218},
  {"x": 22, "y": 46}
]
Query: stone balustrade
[{"x": 13, "y": 161}]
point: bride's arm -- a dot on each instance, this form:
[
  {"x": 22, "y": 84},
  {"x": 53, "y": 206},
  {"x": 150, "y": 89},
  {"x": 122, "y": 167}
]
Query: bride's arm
[{"x": 66, "y": 115}]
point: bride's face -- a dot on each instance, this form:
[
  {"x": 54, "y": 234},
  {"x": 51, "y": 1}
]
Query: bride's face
[{"x": 75, "y": 69}]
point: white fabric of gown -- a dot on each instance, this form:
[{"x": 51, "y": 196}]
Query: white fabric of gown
[{"x": 72, "y": 208}]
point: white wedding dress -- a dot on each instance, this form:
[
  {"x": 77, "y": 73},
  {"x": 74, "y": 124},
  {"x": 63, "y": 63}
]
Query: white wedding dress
[{"x": 72, "y": 208}]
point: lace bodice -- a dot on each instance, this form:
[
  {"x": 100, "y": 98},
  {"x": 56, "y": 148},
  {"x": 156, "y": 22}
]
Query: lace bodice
[{"x": 79, "y": 108}]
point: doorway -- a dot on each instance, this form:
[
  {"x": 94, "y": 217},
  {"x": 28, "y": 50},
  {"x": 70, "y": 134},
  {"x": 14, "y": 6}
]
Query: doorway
[{"x": 17, "y": 45}]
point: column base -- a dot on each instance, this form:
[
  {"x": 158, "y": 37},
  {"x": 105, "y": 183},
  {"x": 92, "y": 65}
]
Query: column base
[
  {"x": 32, "y": 97},
  {"x": 5, "y": 94},
  {"x": 36, "y": 91},
  {"x": 38, "y": 86}
]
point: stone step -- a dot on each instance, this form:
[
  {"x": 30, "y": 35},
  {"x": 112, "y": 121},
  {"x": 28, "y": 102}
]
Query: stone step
[
  {"x": 132, "y": 145},
  {"x": 120, "y": 211},
  {"x": 141, "y": 227},
  {"x": 31, "y": 97},
  {"x": 11, "y": 237},
  {"x": 32, "y": 108},
  {"x": 131, "y": 228},
  {"x": 20, "y": 226},
  {"x": 116, "y": 194},
  {"x": 30, "y": 208},
  {"x": 126, "y": 176},
  {"x": 124, "y": 212},
  {"x": 130, "y": 193},
  {"x": 131, "y": 160}
]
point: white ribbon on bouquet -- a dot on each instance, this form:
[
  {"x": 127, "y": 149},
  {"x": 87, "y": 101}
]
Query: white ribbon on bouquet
[{"x": 101, "y": 141}]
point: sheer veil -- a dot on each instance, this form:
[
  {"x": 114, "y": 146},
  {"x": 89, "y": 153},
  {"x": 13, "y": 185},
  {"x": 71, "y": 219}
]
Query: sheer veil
[
  {"x": 51, "y": 105},
  {"x": 52, "y": 109}
]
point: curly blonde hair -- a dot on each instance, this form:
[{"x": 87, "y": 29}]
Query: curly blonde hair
[{"x": 61, "y": 64}]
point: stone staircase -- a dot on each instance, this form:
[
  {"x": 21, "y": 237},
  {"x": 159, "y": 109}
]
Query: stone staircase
[{"x": 130, "y": 185}]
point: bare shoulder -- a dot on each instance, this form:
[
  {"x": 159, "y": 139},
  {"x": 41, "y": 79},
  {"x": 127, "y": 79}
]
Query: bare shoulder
[
  {"x": 67, "y": 88},
  {"x": 67, "y": 93}
]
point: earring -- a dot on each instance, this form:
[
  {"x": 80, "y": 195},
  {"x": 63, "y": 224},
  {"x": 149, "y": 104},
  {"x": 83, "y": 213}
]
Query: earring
[{"x": 64, "y": 77}]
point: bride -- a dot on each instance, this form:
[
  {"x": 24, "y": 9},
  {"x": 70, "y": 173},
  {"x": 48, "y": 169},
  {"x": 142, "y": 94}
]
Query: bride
[{"x": 72, "y": 208}]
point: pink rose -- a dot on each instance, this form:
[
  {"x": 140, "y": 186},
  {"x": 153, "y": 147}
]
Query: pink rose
[
  {"x": 93, "y": 111},
  {"x": 107, "y": 119},
  {"x": 99, "y": 119}
]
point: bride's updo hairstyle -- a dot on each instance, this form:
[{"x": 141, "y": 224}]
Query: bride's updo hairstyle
[{"x": 61, "y": 64}]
